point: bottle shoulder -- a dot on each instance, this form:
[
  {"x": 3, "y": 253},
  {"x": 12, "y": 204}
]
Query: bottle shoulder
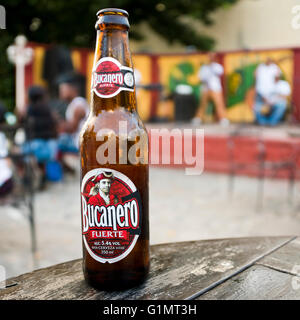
[{"x": 118, "y": 121}]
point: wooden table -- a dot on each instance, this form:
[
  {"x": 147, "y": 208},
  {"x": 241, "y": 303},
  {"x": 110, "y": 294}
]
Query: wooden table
[{"x": 238, "y": 268}]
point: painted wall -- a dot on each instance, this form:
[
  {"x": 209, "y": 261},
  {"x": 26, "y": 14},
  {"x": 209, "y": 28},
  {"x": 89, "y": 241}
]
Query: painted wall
[{"x": 169, "y": 70}]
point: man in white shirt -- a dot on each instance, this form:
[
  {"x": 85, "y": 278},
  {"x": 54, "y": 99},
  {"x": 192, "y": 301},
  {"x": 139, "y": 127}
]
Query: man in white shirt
[
  {"x": 275, "y": 104},
  {"x": 267, "y": 84},
  {"x": 210, "y": 76},
  {"x": 76, "y": 113},
  {"x": 265, "y": 78}
]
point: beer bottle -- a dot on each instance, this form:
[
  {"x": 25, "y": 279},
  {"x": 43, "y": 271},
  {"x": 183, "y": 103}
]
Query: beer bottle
[{"x": 114, "y": 165}]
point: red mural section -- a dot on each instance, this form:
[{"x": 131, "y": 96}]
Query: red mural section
[{"x": 296, "y": 86}]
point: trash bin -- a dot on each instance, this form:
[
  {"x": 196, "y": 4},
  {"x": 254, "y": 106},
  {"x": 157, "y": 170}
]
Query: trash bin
[{"x": 185, "y": 103}]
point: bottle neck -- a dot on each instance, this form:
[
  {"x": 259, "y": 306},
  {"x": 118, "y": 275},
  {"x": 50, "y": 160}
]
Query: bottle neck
[{"x": 113, "y": 42}]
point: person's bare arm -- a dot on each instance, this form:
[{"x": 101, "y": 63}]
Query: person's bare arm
[{"x": 71, "y": 126}]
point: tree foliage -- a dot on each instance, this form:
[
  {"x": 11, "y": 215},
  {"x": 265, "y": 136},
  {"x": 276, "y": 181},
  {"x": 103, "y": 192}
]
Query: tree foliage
[{"x": 72, "y": 23}]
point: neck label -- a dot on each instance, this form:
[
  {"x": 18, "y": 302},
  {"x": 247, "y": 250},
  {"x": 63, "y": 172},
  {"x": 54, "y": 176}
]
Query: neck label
[{"x": 110, "y": 77}]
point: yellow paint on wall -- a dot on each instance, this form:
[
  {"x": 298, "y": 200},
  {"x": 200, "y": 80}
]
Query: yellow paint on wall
[
  {"x": 90, "y": 62},
  {"x": 283, "y": 58},
  {"x": 167, "y": 64},
  {"x": 39, "y": 53},
  {"x": 240, "y": 112},
  {"x": 232, "y": 61},
  {"x": 143, "y": 64},
  {"x": 76, "y": 59}
]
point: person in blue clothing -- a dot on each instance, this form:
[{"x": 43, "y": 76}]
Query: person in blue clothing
[
  {"x": 271, "y": 93},
  {"x": 41, "y": 129},
  {"x": 272, "y": 108}
]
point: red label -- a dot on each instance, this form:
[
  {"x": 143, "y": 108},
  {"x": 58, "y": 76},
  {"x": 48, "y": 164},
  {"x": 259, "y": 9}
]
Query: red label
[
  {"x": 110, "y": 77},
  {"x": 111, "y": 214}
]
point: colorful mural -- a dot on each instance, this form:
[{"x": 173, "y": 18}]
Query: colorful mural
[
  {"x": 143, "y": 64},
  {"x": 171, "y": 70},
  {"x": 182, "y": 69},
  {"x": 239, "y": 79},
  {"x": 82, "y": 60}
]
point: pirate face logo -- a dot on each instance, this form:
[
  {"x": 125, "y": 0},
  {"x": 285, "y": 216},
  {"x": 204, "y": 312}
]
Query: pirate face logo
[{"x": 104, "y": 185}]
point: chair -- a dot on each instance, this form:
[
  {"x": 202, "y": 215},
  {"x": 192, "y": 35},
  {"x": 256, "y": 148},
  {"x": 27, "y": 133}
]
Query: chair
[
  {"x": 24, "y": 178},
  {"x": 288, "y": 164},
  {"x": 259, "y": 163},
  {"x": 247, "y": 158}
]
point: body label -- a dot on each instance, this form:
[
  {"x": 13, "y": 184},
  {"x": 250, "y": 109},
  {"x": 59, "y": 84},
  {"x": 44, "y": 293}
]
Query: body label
[
  {"x": 110, "y": 77},
  {"x": 111, "y": 214}
]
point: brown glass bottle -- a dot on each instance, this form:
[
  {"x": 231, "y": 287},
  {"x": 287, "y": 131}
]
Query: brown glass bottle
[{"x": 115, "y": 230}]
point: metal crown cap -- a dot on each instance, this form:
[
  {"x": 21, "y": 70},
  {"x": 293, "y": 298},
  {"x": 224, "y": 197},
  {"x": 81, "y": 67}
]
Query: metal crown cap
[{"x": 113, "y": 11}]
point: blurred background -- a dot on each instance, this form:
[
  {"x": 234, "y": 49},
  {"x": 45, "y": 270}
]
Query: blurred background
[{"x": 230, "y": 67}]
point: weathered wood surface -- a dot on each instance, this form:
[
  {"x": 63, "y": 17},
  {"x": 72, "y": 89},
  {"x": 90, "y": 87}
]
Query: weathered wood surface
[
  {"x": 276, "y": 276},
  {"x": 285, "y": 259},
  {"x": 256, "y": 283},
  {"x": 183, "y": 270}
]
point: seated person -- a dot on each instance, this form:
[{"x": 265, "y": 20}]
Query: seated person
[
  {"x": 76, "y": 113},
  {"x": 270, "y": 110},
  {"x": 40, "y": 128}
]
